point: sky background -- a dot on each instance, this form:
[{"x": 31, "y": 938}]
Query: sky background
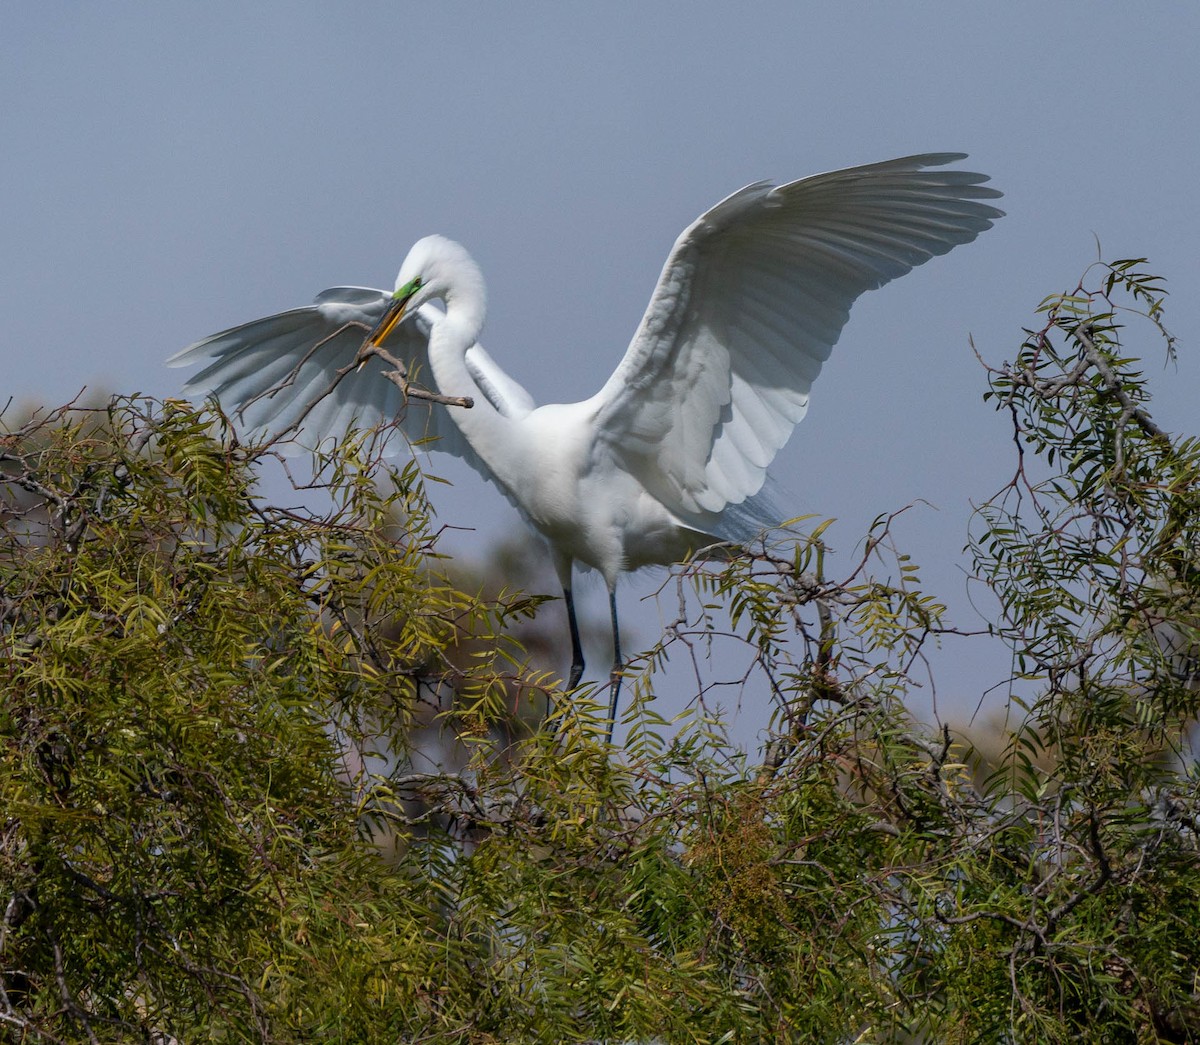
[{"x": 168, "y": 170}]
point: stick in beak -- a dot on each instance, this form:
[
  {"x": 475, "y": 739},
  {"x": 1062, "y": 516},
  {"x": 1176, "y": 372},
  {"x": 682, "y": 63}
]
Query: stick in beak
[
  {"x": 387, "y": 323},
  {"x": 394, "y": 313}
]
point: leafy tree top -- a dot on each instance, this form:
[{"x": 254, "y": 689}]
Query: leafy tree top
[{"x": 268, "y": 775}]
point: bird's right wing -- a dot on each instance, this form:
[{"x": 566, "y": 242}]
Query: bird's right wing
[
  {"x": 751, "y": 301},
  {"x": 282, "y": 371}
]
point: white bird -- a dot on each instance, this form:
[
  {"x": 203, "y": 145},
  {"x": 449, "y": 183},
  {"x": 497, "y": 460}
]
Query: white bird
[{"x": 671, "y": 455}]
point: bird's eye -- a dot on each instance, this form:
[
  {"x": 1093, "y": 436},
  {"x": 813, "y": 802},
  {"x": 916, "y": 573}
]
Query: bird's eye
[{"x": 409, "y": 289}]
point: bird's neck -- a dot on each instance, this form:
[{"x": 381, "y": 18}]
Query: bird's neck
[
  {"x": 465, "y": 308},
  {"x": 450, "y": 337}
]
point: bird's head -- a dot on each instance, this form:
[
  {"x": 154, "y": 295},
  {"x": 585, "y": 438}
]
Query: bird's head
[{"x": 436, "y": 267}]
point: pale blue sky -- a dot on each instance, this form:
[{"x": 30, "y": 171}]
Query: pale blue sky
[{"x": 168, "y": 170}]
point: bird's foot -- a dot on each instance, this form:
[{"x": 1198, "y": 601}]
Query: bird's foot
[{"x": 614, "y": 683}]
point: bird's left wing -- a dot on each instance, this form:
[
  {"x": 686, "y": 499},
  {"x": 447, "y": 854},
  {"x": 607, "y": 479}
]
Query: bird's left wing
[
  {"x": 752, "y": 299},
  {"x": 282, "y": 371}
]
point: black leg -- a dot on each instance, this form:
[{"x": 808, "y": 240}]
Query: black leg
[
  {"x": 576, "y": 646},
  {"x": 614, "y": 678}
]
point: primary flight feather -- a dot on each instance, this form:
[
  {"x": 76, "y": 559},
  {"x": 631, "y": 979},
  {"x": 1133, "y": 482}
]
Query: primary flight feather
[{"x": 670, "y": 455}]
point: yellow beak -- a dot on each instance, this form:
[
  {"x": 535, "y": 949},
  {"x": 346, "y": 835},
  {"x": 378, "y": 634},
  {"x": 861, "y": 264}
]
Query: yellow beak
[{"x": 387, "y": 323}]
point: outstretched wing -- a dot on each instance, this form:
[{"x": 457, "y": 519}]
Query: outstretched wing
[
  {"x": 752, "y": 299},
  {"x": 280, "y": 371}
]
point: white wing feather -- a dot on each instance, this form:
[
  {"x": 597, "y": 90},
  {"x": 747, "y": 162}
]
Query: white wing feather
[
  {"x": 268, "y": 372},
  {"x": 749, "y": 305}
]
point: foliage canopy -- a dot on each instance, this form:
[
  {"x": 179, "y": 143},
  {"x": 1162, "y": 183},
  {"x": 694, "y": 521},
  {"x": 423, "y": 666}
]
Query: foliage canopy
[{"x": 268, "y": 775}]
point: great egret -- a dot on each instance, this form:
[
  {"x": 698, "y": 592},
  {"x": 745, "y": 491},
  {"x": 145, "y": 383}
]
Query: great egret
[{"x": 671, "y": 455}]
